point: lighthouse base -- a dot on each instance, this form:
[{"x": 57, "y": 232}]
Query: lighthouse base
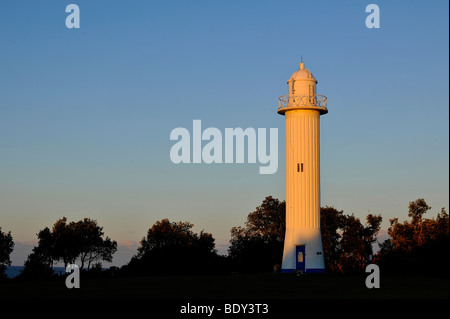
[
  {"x": 309, "y": 271},
  {"x": 303, "y": 251}
]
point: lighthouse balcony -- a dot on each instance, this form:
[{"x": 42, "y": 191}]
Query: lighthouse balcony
[{"x": 302, "y": 102}]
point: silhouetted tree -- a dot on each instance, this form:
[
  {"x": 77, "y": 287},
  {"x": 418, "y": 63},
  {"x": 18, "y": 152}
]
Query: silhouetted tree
[
  {"x": 103, "y": 251},
  {"x": 67, "y": 242},
  {"x": 259, "y": 245},
  {"x": 347, "y": 244},
  {"x": 91, "y": 245},
  {"x": 38, "y": 264},
  {"x": 356, "y": 242},
  {"x": 66, "y": 247},
  {"x": 268, "y": 220},
  {"x": 6, "y": 247},
  {"x": 416, "y": 245},
  {"x": 167, "y": 234},
  {"x": 173, "y": 248},
  {"x": 331, "y": 221}
]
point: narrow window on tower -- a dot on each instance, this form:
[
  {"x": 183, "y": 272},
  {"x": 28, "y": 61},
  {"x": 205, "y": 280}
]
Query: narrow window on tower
[
  {"x": 302, "y": 167},
  {"x": 311, "y": 95},
  {"x": 298, "y": 167}
]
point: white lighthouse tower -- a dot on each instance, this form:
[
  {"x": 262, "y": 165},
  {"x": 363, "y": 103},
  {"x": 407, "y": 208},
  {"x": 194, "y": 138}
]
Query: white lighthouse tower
[{"x": 302, "y": 108}]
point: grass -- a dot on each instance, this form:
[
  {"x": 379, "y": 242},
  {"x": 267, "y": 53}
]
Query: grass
[{"x": 253, "y": 286}]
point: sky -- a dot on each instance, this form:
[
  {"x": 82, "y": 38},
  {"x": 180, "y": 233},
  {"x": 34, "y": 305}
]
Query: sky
[{"x": 86, "y": 114}]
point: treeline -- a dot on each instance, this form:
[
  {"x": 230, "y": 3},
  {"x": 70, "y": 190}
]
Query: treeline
[
  {"x": 172, "y": 248},
  {"x": 68, "y": 243},
  {"x": 420, "y": 245},
  {"x": 347, "y": 243}
]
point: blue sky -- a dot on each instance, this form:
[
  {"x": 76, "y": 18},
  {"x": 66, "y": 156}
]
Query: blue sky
[{"x": 86, "y": 114}]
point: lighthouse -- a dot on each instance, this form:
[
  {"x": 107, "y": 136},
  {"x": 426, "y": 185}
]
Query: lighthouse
[{"x": 302, "y": 109}]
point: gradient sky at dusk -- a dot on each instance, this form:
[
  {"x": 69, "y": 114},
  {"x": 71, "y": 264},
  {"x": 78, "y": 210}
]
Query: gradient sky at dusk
[{"x": 86, "y": 114}]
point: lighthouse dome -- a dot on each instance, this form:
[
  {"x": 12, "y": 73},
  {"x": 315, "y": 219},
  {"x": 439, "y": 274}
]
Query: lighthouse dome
[{"x": 302, "y": 74}]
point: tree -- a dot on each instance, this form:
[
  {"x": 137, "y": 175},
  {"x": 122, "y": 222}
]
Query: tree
[
  {"x": 418, "y": 244},
  {"x": 407, "y": 236},
  {"x": 6, "y": 247},
  {"x": 346, "y": 243},
  {"x": 173, "y": 248},
  {"x": 331, "y": 221},
  {"x": 166, "y": 234},
  {"x": 103, "y": 251},
  {"x": 46, "y": 246},
  {"x": 92, "y": 247},
  {"x": 259, "y": 245},
  {"x": 373, "y": 226},
  {"x": 356, "y": 242},
  {"x": 66, "y": 242},
  {"x": 416, "y": 210},
  {"x": 268, "y": 221},
  {"x": 38, "y": 264}
]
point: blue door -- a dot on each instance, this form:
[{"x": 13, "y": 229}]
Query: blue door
[{"x": 300, "y": 257}]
